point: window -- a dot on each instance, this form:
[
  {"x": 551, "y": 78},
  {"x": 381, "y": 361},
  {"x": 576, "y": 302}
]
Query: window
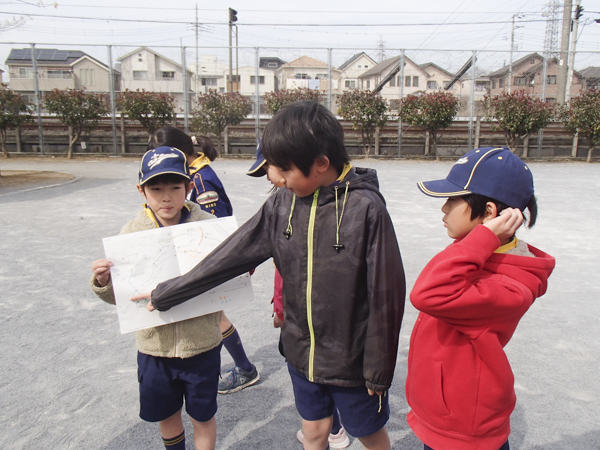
[
  {"x": 501, "y": 83},
  {"x": 350, "y": 84},
  {"x": 140, "y": 75},
  {"x": 261, "y": 79},
  {"x": 393, "y": 82},
  {"x": 86, "y": 76},
  {"x": 415, "y": 81},
  {"x": 58, "y": 74},
  {"x": 234, "y": 78},
  {"x": 209, "y": 81},
  {"x": 532, "y": 61},
  {"x": 366, "y": 66},
  {"x": 167, "y": 75},
  {"x": 368, "y": 84},
  {"x": 25, "y": 72},
  {"x": 432, "y": 85},
  {"x": 272, "y": 64},
  {"x": 551, "y": 79},
  {"x": 222, "y": 89},
  {"x": 321, "y": 76},
  {"x": 520, "y": 81},
  {"x": 493, "y": 84},
  {"x": 407, "y": 81},
  {"x": 301, "y": 76}
]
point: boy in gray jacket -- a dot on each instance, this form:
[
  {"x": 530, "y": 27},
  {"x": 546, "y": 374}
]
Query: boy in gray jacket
[
  {"x": 332, "y": 239},
  {"x": 178, "y": 360}
]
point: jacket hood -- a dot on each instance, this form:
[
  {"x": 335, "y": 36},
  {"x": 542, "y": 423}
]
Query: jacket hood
[{"x": 357, "y": 178}]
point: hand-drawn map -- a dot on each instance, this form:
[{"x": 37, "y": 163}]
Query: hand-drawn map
[{"x": 144, "y": 259}]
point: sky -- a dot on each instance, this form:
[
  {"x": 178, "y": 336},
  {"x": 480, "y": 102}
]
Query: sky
[{"x": 443, "y": 32}]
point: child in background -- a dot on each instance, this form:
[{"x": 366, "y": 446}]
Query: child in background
[
  {"x": 337, "y": 437},
  {"x": 333, "y": 241},
  {"x": 471, "y": 297},
  {"x": 208, "y": 192},
  {"x": 177, "y": 360}
]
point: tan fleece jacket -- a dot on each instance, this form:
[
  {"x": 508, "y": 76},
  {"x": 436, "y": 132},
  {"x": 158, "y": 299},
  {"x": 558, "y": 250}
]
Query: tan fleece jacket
[{"x": 176, "y": 340}]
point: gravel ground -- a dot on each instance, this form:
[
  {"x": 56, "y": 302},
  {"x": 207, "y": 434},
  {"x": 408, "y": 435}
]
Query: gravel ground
[{"x": 68, "y": 378}]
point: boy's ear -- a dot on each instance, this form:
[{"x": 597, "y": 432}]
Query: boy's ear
[
  {"x": 141, "y": 190},
  {"x": 189, "y": 188},
  {"x": 322, "y": 163},
  {"x": 491, "y": 212}
]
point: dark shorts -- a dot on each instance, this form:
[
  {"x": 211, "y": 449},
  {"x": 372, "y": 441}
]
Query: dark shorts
[
  {"x": 166, "y": 382},
  {"x": 360, "y": 414}
]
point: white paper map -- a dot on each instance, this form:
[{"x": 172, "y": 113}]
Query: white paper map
[{"x": 144, "y": 259}]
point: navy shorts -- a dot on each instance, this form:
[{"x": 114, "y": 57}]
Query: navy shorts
[
  {"x": 166, "y": 382},
  {"x": 360, "y": 413}
]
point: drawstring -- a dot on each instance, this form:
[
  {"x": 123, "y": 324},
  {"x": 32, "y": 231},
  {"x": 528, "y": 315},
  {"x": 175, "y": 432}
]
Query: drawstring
[
  {"x": 338, "y": 220},
  {"x": 380, "y": 403},
  {"x": 288, "y": 231}
]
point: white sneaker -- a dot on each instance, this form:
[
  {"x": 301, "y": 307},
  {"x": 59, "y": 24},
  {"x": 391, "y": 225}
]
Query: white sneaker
[{"x": 340, "y": 440}]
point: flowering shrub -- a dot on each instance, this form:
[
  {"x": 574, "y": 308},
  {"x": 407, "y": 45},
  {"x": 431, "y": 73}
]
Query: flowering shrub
[
  {"x": 152, "y": 109},
  {"x": 582, "y": 116},
  {"x": 274, "y": 101}
]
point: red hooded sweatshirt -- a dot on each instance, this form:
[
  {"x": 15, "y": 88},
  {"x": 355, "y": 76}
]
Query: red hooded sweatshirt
[{"x": 460, "y": 385}]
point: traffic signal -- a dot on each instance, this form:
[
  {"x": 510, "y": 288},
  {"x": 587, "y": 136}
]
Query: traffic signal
[
  {"x": 232, "y": 15},
  {"x": 578, "y": 12}
]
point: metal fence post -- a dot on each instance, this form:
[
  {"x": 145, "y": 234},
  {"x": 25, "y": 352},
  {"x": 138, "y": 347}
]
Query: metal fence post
[
  {"x": 329, "y": 80},
  {"x": 111, "y": 84},
  {"x": 186, "y": 106},
  {"x": 257, "y": 93},
  {"x": 472, "y": 99},
  {"x": 401, "y": 85},
  {"x": 543, "y": 98},
  {"x": 38, "y": 100}
]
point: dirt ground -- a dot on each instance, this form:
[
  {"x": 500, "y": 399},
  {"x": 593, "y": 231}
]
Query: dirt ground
[{"x": 21, "y": 180}]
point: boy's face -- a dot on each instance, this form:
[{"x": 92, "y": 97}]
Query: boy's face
[
  {"x": 166, "y": 200},
  {"x": 457, "y": 217},
  {"x": 294, "y": 180}
]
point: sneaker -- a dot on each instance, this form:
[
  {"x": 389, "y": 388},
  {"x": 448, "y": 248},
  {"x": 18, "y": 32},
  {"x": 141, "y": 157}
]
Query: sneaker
[
  {"x": 237, "y": 379},
  {"x": 339, "y": 440}
]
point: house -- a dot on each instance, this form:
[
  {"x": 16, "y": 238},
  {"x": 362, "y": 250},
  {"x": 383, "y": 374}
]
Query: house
[
  {"x": 272, "y": 63},
  {"x": 146, "y": 69},
  {"x": 591, "y": 77},
  {"x": 438, "y": 77},
  {"x": 211, "y": 74},
  {"x": 246, "y": 80},
  {"x": 57, "y": 69},
  {"x": 415, "y": 79},
  {"x": 307, "y": 72},
  {"x": 354, "y": 67},
  {"x": 527, "y": 75},
  {"x": 463, "y": 92}
]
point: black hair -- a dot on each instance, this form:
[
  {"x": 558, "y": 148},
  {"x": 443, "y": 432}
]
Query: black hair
[
  {"x": 166, "y": 178},
  {"x": 300, "y": 133},
  {"x": 207, "y": 147},
  {"x": 478, "y": 203},
  {"x": 172, "y": 137}
]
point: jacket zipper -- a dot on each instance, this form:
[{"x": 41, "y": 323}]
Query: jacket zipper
[{"x": 309, "y": 272}]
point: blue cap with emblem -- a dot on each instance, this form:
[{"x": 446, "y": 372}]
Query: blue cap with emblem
[
  {"x": 494, "y": 172},
  {"x": 163, "y": 160},
  {"x": 257, "y": 169}
]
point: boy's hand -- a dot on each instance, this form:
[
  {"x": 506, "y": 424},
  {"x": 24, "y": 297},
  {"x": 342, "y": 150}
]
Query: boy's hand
[
  {"x": 144, "y": 296},
  {"x": 101, "y": 270},
  {"x": 277, "y": 322},
  {"x": 372, "y": 393},
  {"x": 505, "y": 224}
]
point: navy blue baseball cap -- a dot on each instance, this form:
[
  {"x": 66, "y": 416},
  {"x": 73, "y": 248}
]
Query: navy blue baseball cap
[
  {"x": 494, "y": 172},
  {"x": 162, "y": 160},
  {"x": 257, "y": 169}
]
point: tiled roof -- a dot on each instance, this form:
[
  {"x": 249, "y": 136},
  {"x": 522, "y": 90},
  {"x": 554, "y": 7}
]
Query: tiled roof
[
  {"x": 305, "y": 61},
  {"x": 504, "y": 70},
  {"x": 590, "y": 72}
]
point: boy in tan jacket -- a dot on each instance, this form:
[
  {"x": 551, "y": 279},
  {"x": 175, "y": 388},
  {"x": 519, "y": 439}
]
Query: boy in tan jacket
[{"x": 180, "y": 360}]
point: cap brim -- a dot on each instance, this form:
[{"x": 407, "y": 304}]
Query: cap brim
[
  {"x": 441, "y": 188},
  {"x": 257, "y": 169},
  {"x": 183, "y": 175}
]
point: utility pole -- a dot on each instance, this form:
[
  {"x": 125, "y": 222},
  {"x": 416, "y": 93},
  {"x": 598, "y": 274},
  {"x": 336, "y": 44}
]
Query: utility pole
[
  {"x": 197, "y": 64},
  {"x": 561, "y": 79},
  {"x": 232, "y": 19},
  {"x": 571, "y": 66},
  {"x": 512, "y": 46}
]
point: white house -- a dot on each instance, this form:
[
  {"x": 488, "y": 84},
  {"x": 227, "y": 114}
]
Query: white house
[
  {"x": 353, "y": 68},
  {"x": 146, "y": 69}
]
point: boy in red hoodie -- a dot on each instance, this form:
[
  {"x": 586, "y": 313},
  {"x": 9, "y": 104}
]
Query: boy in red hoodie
[{"x": 471, "y": 297}]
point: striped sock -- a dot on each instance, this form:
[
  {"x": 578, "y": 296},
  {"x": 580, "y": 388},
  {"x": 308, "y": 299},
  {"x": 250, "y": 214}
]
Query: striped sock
[
  {"x": 233, "y": 344},
  {"x": 176, "y": 443}
]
